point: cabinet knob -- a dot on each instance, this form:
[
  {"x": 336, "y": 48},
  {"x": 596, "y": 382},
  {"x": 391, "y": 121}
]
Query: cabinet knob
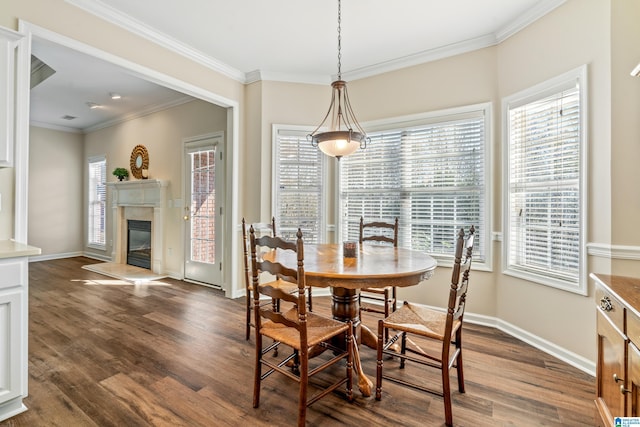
[
  {"x": 605, "y": 304},
  {"x": 624, "y": 390},
  {"x": 616, "y": 378}
]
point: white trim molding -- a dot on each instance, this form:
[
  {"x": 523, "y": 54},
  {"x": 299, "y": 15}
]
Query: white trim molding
[
  {"x": 606, "y": 250},
  {"x": 573, "y": 359},
  {"x": 536, "y": 12},
  {"x": 138, "y": 28},
  {"x": 116, "y": 17}
]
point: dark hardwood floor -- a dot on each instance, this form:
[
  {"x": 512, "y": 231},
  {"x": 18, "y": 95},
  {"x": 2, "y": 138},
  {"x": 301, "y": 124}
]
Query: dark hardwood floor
[{"x": 105, "y": 353}]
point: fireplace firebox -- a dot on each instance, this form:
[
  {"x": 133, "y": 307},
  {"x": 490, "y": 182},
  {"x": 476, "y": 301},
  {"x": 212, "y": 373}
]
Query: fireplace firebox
[{"x": 139, "y": 243}]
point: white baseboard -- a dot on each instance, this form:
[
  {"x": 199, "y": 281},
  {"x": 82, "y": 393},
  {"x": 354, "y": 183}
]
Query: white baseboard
[
  {"x": 541, "y": 344},
  {"x": 548, "y": 347},
  {"x": 49, "y": 257},
  {"x": 91, "y": 255}
]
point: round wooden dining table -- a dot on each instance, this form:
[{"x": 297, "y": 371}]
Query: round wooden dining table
[{"x": 374, "y": 266}]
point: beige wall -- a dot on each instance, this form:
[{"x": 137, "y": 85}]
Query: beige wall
[
  {"x": 290, "y": 104},
  {"x": 251, "y": 162},
  {"x": 625, "y": 131},
  {"x": 56, "y": 189}
]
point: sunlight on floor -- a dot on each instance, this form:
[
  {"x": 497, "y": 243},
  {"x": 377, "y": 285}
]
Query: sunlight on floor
[
  {"x": 116, "y": 282},
  {"x": 124, "y": 272}
]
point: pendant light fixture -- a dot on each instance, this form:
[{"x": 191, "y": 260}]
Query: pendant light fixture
[{"x": 345, "y": 135}]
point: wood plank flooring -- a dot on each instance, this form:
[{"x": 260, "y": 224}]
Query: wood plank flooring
[{"x": 106, "y": 353}]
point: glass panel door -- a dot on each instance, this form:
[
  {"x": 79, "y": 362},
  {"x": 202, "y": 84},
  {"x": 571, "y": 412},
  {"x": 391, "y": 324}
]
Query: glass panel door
[{"x": 203, "y": 212}]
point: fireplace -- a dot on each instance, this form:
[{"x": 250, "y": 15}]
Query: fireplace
[
  {"x": 139, "y": 243},
  {"x": 141, "y": 200}
]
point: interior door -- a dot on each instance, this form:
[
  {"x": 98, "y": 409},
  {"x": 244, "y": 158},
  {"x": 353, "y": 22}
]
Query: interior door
[{"x": 204, "y": 210}]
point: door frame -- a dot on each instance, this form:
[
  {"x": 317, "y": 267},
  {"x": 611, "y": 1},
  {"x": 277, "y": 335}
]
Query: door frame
[
  {"x": 23, "y": 73},
  {"x": 185, "y": 191}
]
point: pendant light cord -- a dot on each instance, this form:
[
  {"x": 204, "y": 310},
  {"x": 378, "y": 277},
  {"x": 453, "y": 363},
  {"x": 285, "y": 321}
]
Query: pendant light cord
[{"x": 339, "y": 42}]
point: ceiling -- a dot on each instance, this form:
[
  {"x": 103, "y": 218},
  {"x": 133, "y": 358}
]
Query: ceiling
[{"x": 247, "y": 40}]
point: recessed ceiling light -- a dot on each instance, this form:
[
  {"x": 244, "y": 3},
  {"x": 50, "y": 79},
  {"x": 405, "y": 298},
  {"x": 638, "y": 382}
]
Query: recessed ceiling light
[
  {"x": 92, "y": 105},
  {"x": 115, "y": 95}
]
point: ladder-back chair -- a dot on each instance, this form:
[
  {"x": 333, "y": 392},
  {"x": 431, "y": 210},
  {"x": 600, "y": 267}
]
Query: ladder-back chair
[
  {"x": 381, "y": 233},
  {"x": 247, "y": 281},
  {"x": 295, "y": 328},
  {"x": 445, "y": 327}
]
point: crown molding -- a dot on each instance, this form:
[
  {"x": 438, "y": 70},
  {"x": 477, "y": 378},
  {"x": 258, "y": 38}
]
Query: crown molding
[
  {"x": 60, "y": 128},
  {"x": 99, "y": 9},
  {"x": 10, "y": 34},
  {"x": 109, "y": 14},
  {"x": 536, "y": 12},
  {"x": 422, "y": 57},
  {"x": 141, "y": 113},
  {"x": 121, "y": 119},
  {"x": 257, "y": 75}
]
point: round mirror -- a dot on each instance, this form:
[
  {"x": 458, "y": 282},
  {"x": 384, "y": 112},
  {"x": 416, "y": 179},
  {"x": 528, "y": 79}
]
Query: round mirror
[{"x": 139, "y": 161}]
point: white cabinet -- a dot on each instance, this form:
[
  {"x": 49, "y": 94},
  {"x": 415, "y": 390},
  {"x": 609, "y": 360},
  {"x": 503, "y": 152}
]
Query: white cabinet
[
  {"x": 14, "y": 328},
  {"x": 8, "y": 45},
  {"x": 13, "y": 335}
]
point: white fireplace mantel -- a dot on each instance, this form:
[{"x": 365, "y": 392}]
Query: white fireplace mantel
[
  {"x": 145, "y": 192},
  {"x": 141, "y": 200}
]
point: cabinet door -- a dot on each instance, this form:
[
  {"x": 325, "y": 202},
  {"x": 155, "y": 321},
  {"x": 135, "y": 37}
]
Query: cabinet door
[
  {"x": 8, "y": 44},
  {"x": 610, "y": 402},
  {"x": 11, "y": 345},
  {"x": 633, "y": 383}
]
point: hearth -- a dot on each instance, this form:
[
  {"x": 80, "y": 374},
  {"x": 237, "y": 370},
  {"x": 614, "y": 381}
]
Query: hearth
[
  {"x": 139, "y": 243},
  {"x": 140, "y": 200}
]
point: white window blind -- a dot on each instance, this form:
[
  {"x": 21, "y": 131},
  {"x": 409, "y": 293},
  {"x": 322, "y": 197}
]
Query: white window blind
[
  {"x": 544, "y": 182},
  {"x": 97, "y": 201},
  {"x": 299, "y": 173},
  {"x": 431, "y": 176}
]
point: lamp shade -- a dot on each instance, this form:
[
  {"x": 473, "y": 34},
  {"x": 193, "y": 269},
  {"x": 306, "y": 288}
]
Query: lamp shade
[{"x": 339, "y": 143}]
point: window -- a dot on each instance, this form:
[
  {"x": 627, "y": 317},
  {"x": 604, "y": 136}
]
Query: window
[
  {"x": 97, "y": 202},
  {"x": 299, "y": 183},
  {"x": 428, "y": 171},
  {"x": 545, "y": 198}
]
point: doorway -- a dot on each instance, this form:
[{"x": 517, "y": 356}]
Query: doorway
[
  {"x": 35, "y": 34},
  {"x": 204, "y": 186}
]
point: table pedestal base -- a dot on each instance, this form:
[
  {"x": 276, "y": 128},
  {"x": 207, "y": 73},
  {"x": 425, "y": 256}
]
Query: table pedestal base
[{"x": 346, "y": 307}]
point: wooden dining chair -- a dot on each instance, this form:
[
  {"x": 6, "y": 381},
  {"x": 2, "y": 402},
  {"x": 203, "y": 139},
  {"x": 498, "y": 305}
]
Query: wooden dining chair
[
  {"x": 247, "y": 280},
  {"x": 381, "y": 233},
  {"x": 309, "y": 290},
  {"x": 291, "y": 287},
  {"x": 445, "y": 327},
  {"x": 295, "y": 328}
]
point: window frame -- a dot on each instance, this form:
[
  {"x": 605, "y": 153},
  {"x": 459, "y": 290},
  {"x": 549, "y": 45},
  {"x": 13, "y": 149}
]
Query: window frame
[
  {"x": 434, "y": 117},
  {"x": 532, "y": 94},
  {"x": 325, "y": 186},
  {"x": 91, "y": 192}
]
